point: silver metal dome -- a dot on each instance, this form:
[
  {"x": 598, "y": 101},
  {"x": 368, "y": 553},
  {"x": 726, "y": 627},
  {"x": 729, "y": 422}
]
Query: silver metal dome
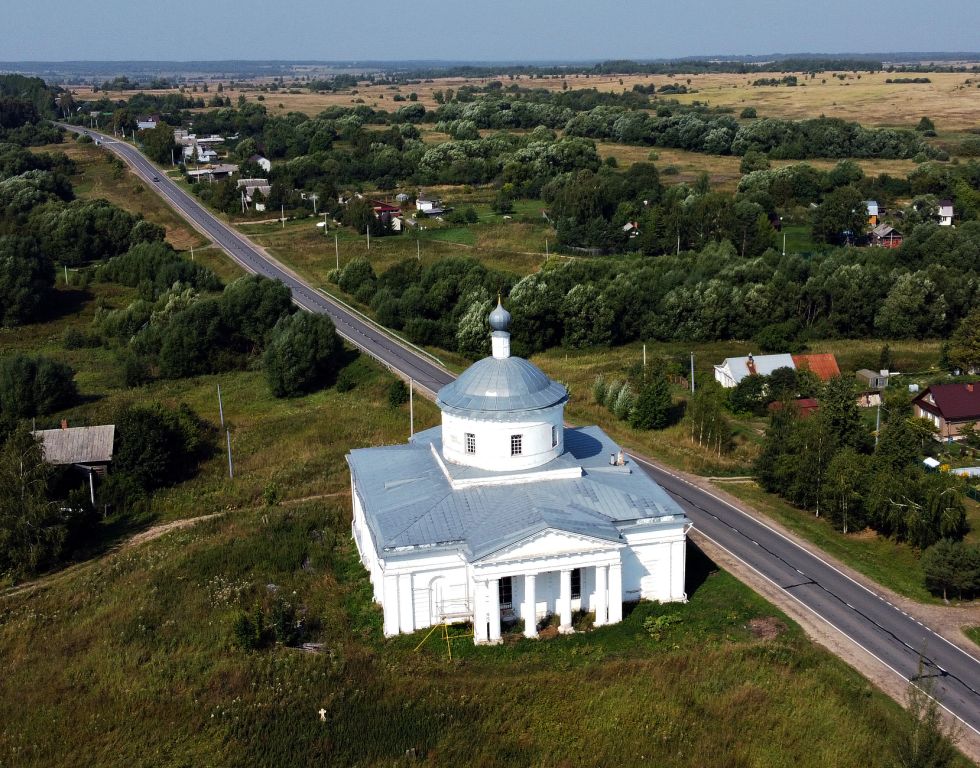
[
  {"x": 499, "y": 318},
  {"x": 496, "y": 386}
]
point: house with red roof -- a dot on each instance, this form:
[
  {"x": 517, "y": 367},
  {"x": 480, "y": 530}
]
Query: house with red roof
[
  {"x": 950, "y": 407},
  {"x": 824, "y": 365}
]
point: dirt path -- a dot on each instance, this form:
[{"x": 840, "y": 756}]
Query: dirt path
[{"x": 136, "y": 540}]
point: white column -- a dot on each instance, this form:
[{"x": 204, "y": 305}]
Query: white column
[
  {"x": 678, "y": 567},
  {"x": 406, "y": 604},
  {"x": 601, "y": 596},
  {"x": 530, "y": 606},
  {"x": 389, "y": 602},
  {"x": 479, "y": 612},
  {"x": 615, "y": 593},
  {"x": 493, "y": 608},
  {"x": 565, "y": 601}
]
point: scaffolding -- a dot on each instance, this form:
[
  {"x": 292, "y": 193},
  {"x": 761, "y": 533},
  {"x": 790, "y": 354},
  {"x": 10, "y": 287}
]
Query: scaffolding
[{"x": 447, "y": 618}]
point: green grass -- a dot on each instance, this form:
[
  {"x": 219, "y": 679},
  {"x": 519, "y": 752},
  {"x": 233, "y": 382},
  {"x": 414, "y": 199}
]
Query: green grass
[
  {"x": 973, "y": 633},
  {"x": 156, "y": 679},
  {"x": 892, "y": 564}
]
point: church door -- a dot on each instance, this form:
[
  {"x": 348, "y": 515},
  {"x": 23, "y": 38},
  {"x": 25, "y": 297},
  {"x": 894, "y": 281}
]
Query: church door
[{"x": 436, "y": 596}]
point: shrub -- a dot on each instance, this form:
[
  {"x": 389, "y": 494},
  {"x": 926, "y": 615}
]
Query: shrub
[
  {"x": 748, "y": 113},
  {"x": 625, "y": 402},
  {"x": 397, "y": 393},
  {"x": 599, "y": 390},
  {"x": 346, "y": 380},
  {"x": 657, "y": 626}
]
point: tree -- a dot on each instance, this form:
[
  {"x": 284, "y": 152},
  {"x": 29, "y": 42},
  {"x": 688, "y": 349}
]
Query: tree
[
  {"x": 964, "y": 344},
  {"x": 33, "y": 528},
  {"x": 753, "y": 160},
  {"x": 156, "y": 446},
  {"x": 653, "y": 406},
  {"x": 838, "y": 408},
  {"x": 706, "y": 415},
  {"x": 473, "y": 332},
  {"x": 34, "y": 386},
  {"x": 302, "y": 354},
  {"x": 841, "y": 217},
  {"x": 846, "y": 476},
  {"x": 253, "y": 304},
  {"x": 26, "y": 277},
  {"x": 924, "y": 742},
  {"x": 158, "y": 143},
  {"x": 952, "y": 566},
  {"x": 397, "y": 393}
]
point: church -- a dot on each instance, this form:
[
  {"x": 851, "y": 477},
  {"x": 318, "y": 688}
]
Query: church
[{"x": 502, "y": 513}]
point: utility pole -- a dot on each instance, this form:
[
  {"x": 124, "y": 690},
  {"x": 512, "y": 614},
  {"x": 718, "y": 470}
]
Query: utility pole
[
  {"x": 367, "y": 231},
  {"x": 878, "y": 420},
  {"x": 784, "y": 243},
  {"x": 172, "y": 162},
  {"x": 336, "y": 250},
  {"x": 546, "y": 253},
  {"x": 411, "y": 408},
  {"x": 644, "y": 357},
  {"x": 324, "y": 223},
  {"x": 231, "y": 466},
  {"x": 221, "y": 410},
  {"x": 692, "y": 373},
  {"x": 678, "y": 243},
  {"x": 66, "y": 275},
  {"x": 418, "y": 249},
  {"x": 282, "y": 212}
]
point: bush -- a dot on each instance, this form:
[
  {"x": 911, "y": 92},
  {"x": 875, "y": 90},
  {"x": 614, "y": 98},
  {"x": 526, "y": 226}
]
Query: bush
[
  {"x": 653, "y": 406},
  {"x": 397, "y": 393},
  {"x": 599, "y": 390},
  {"x": 346, "y": 380},
  {"x": 748, "y": 113}
]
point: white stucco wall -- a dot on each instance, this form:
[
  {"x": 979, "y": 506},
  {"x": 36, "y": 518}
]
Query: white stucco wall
[
  {"x": 493, "y": 440},
  {"x": 654, "y": 564}
]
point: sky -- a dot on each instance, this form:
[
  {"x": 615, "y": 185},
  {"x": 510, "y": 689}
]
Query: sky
[{"x": 499, "y": 30}]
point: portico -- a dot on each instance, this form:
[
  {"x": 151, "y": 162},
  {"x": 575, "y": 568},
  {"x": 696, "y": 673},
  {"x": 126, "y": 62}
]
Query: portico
[{"x": 534, "y": 589}]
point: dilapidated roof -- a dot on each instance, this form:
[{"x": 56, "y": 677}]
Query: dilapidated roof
[{"x": 78, "y": 445}]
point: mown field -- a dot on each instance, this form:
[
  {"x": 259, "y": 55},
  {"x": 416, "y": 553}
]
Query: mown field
[{"x": 951, "y": 99}]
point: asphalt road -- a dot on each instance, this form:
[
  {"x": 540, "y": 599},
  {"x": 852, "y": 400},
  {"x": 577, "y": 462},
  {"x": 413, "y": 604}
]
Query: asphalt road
[{"x": 896, "y": 640}]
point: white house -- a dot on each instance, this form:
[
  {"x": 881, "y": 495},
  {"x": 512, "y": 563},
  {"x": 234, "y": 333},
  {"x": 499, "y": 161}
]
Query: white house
[
  {"x": 945, "y": 213},
  {"x": 502, "y": 513},
  {"x": 734, "y": 369},
  {"x": 429, "y": 206},
  {"x": 261, "y": 162},
  {"x": 147, "y": 123}
]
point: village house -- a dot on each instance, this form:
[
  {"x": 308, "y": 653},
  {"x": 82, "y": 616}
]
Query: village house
[
  {"x": 430, "y": 206},
  {"x": 86, "y": 449},
  {"x": 945, "y": 213},
  {"x": 261, "y": 162},
  {"x": 885, "y": 236},
  {"x": 147, "y": 123},
  {"x": 503, "y": 514},
  {"x": 734, "y": 369},
  {"x": 950, "y": 407},
  {"x": 255, "y": 192},
  {"x": 873, "y": 212}
]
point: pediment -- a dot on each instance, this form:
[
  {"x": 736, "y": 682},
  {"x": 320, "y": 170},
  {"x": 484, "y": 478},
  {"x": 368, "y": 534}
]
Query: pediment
[{"x": 550, "y": 542}]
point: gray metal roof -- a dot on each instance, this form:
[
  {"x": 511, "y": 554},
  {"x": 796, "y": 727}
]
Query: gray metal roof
[
  {"x": 408, "y": 501},
  {"x": 764, "y": 365},
  {"x": 78, "y": 445},
  {"x": 493, "y": 386}
]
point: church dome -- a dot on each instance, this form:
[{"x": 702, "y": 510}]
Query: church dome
[
  {"x": 494, "y": 386},
  {"x": 499, "y": 318}
]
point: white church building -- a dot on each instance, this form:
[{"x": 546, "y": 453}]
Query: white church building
[{"x": 502, "y": 513}]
